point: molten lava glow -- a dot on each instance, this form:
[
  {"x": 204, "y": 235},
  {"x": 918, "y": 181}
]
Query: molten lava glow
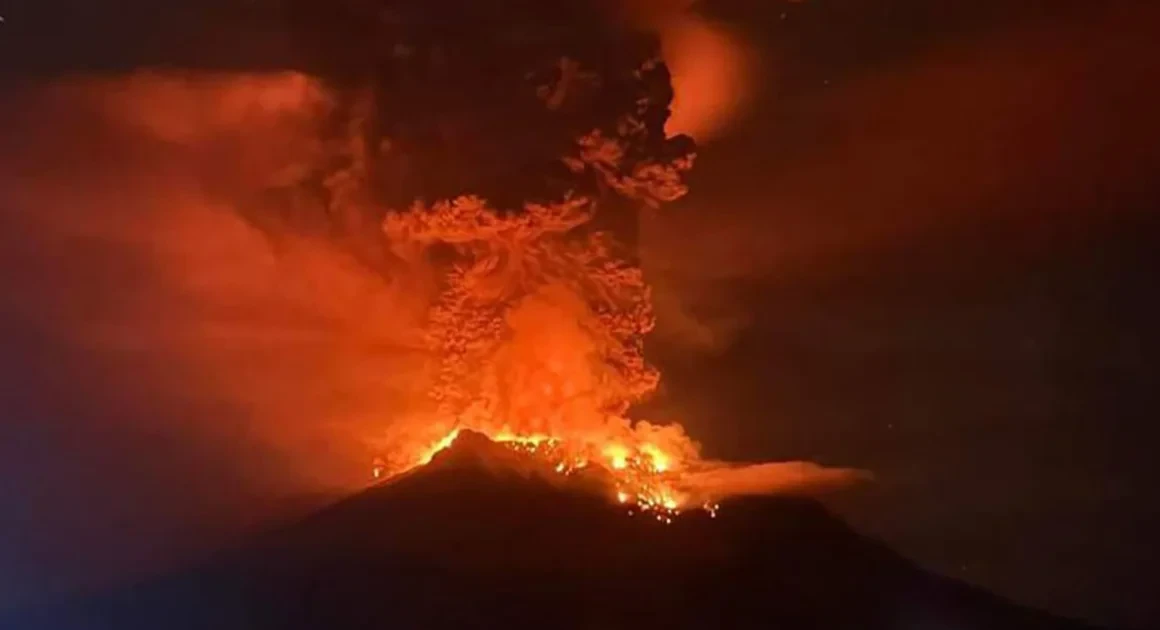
[
  {"x": 617, "y": 456},
  {"x": 641, "y": 477},
  {"x": 443, "y": 443}
]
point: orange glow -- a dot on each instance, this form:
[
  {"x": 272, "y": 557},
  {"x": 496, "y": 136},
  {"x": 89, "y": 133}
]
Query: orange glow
[
  {"x": 443, "y": 443},
  {"x": 535, "y": 328},
  {"x": 538, "y": 335},
  {"x": 523, "y": 324},
  {"x": 711, "y": 69},
  {"x": 617, "y": 456},
  {"x": 638, "y": 477},
  {"x": 538, "y": 340},
  {"x": 660, "y": 461}
]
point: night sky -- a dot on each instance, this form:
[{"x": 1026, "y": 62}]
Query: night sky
[
  {"x": 924, "y": 248},
  {"x": 950, "y": 209}
]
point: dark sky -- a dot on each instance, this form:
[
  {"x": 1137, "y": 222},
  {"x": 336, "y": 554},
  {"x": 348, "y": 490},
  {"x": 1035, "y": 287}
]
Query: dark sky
[
  {"x": 936, "y": 223},
  {"x": 925, "y": 249}
]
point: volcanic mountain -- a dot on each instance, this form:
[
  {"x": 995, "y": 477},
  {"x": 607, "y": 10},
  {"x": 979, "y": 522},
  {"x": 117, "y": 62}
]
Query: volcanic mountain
[{"x": 481, "y": 537}]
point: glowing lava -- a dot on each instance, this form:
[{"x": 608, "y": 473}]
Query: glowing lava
[{"x": 642, "y": 476}]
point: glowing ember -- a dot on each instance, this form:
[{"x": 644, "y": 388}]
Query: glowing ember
[
  {"x": 641, "y": 476},
  {"x": 617, "y": 456},
  {"x": 442, "y": 444}
]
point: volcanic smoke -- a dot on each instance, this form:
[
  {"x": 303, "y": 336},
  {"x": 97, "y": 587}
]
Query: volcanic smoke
[
  {"x": 538, "y": 333},
  {"x": 535, "y": 328},
  {"x": 436, "y": 245}
]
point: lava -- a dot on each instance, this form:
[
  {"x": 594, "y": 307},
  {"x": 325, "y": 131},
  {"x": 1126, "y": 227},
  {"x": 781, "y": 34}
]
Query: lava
[{"x": 640, "y": 477}]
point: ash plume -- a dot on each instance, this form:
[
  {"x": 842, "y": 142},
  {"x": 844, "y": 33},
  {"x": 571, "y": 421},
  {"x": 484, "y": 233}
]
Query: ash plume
[
  {"x": 173, "y": 371},
  {"x": 541, "y": 308},
  {"x": 261, "y": 271}
]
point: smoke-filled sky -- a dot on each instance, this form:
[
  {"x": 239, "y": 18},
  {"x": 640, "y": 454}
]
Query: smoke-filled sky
[
  {"x": 915, "y": 243},
  {"x": 172, "y": 372}
]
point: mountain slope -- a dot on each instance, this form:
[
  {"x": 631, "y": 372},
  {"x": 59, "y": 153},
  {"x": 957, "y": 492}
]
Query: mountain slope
[{"x": 480, "y": 539}]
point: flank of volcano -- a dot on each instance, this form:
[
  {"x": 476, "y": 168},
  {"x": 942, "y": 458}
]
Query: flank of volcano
[{"x": 485, "y": 535}]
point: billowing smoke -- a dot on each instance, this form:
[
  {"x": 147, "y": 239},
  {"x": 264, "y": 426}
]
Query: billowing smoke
[
  {"x": 208, "y": 309},
  {"x": 147, "y": 255},
  {"x": 174, "y": 372}
]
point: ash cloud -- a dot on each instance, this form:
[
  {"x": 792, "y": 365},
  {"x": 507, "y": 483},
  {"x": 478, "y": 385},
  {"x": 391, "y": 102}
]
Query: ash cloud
[
  {"x": 186, "y": 345},
  {"x": 175, "y": 375},
  {"x": 190, "y": 339}
]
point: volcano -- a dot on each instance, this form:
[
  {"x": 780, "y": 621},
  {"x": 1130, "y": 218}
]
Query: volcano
[{"x": 483, "y": 537}]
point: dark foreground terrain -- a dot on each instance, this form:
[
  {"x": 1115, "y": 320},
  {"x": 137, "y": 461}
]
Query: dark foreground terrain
[{"x": 476, "y": 540}]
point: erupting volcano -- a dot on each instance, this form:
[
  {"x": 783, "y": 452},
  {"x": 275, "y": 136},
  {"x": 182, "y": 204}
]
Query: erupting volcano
[
  {"x": 524, "y": 237},
  {"x": 538, "y": 335},
  {"x": 484, "y": 535},
  {"x": 336, "y": 314},
  {"x": 488, "y": 164}
]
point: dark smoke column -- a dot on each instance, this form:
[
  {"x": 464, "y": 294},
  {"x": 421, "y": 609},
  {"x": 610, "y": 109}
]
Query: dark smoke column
[
  {"x": 490, "y": 98},
  {"x": 500, "y": 153}
]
